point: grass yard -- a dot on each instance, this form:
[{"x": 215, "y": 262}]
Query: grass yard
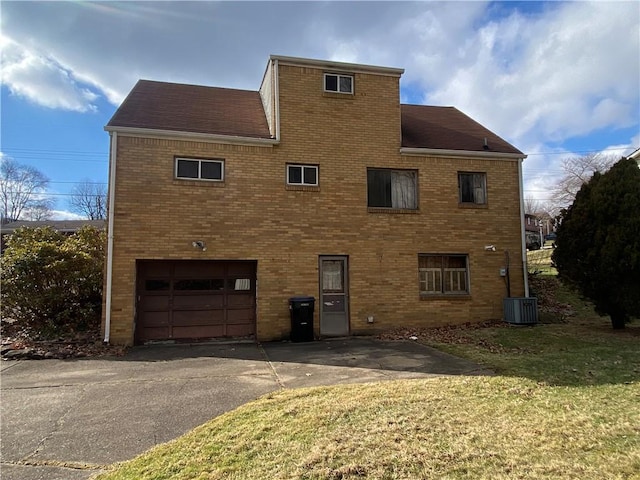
[{"x": 565, "y": 404}]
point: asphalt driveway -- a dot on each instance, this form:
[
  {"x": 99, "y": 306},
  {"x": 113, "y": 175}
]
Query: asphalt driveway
[{"x": 65, "y": 419}]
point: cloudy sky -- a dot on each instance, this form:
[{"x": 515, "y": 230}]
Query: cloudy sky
[{"x": 555, "y": 79}]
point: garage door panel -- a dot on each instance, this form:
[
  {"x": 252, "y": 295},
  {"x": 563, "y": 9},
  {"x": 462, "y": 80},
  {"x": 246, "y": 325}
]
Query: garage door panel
[
  {"x": 241, "y": 269},
  {"x": 156, "y": 319},
  {"x": 199, "y": 269},
  {"x": 198, "y": 317},
  {"x": 240, "y": 330},
  {"x": 183, "y": 301},
  {"x": 152, "y": 302},
  {"x": 199, "y": 331},
  {"x": 240, "y": 300},
  {"x": 156, "y": 333},
  {"x": 155, "y": 269},
  {"x": 191, "y": 299}
]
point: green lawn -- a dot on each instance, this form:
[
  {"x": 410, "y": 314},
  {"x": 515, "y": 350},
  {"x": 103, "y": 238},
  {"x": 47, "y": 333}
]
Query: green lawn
[{"x": 565, "y": 404}]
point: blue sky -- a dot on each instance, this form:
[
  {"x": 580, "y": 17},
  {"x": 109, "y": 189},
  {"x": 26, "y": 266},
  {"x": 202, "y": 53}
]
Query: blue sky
[{"x": 555, "y": 79}]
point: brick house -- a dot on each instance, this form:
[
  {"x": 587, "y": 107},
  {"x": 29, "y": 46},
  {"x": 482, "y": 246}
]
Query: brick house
[{"x": 225, "y": 203}]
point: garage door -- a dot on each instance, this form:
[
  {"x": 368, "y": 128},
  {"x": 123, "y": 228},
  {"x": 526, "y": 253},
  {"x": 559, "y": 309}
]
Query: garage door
[{"x": 195, "y": 300}]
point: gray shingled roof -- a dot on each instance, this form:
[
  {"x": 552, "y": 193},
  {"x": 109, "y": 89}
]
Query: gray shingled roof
[{"x": 223, "y": 111}]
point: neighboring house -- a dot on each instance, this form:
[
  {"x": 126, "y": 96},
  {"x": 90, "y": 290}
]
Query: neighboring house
[
  {"x": 532, "y": 232},
  {"x": 636, "y": 156},
  {"x": 225, "y": 203},
  {"x": 68, "y": 227}
]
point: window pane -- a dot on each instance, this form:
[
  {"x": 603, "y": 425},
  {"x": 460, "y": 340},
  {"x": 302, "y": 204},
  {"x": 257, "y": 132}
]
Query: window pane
[
  {"x": 156, "y": 285},
  {"x": 295, "y": 174},
  {"x": 239, "y": 284},
  {"x": 479, "y": 189},
  {"x": 211, "y": 170},
  {"x": 187, "y": 169},
  {"x": 466, "y": 187},
  {"x": 197, "y": 284},
  {"x": 345, "y": 84},
  {"x": 332, "y": 276},
  {"x": 403, "y": 189},
  {"x": 379, "y": 188},
  {"x": 331, "y": 83},
  {"x": 310, "y": 176}
]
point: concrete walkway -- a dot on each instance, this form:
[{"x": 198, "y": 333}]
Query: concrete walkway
[{"x": 65, "y": 419}]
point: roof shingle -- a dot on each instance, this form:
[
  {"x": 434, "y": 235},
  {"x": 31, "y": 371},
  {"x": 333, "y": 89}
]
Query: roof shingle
[
  {"x": 447, "y": 128},
  {"x": 240, "y": 113},
  {"x": 192, "y": 108}
]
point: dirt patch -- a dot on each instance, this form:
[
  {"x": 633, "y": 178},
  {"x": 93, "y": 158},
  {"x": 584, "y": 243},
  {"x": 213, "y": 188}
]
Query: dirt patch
[{"x": 19, "y": 345}]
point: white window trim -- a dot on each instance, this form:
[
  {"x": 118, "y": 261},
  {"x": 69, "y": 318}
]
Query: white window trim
[
  {"x": 337, "y": 75},
  {"x": 200, "y": 162},
  {"x": 303, "y": 166}
]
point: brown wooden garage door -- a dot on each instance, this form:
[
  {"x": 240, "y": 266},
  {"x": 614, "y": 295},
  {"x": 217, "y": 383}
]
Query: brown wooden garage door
[{"x": 195, "y": 300}]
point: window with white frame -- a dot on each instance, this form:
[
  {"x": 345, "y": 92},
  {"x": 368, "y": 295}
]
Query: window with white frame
[
  {"x": 388, "y": 188},
  {"x": 443, "y": 274},
  {"x": 197, "y": 169},
  {"x": 472, "y": 187},
  {"x": 306, "y": 175},
  {"x": 334, "y": 82}
]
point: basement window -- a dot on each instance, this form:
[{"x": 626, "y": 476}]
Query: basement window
[
  {"x": 197, "y": 169},
  {"x": 443, "y": 274},
  {"x": 334, "y": 82}
]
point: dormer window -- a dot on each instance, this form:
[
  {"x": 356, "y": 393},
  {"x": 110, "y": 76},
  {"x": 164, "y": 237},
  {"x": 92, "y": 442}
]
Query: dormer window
[{"x": 334, "y": 82}]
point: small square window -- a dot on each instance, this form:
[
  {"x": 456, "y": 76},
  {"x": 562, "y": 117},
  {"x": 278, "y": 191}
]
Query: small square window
[
  {"x": 302, "y": 175},
  {"x": 472, "y": 188},
  {"x": 196, "y": 169},
  {"x": 334, "y": 82},
  {"x": 392, "y": 188}
]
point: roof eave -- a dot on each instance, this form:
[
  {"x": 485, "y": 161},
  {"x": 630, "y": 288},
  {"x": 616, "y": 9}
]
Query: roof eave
[
  {"x": 460, "y": 153},
  {"x": 197, "y": 136},
  {"x": 340, "y": 66}
]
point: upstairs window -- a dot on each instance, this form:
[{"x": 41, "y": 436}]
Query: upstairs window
[
  {"x": 196, "y": 169},
  {"x": 473, "y": 188},
  {"x": 443, "y": 274},
  {"x": 392, "y": 188},
  {"x": 334, "y": 82},
  {"x": 302, "y": 175}
]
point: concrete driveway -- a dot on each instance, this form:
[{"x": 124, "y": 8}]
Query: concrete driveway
[{"x": 66, "y": 419}]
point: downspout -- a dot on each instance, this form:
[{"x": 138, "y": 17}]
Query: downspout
[
  {"x": 276, "y": 82},
  {"x": 522, "y": 237},
  {"x": 111, "y": 210}
]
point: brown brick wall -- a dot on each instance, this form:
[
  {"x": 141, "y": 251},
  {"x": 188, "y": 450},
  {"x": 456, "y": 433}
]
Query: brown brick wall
[{"x": 253, "y": 216}]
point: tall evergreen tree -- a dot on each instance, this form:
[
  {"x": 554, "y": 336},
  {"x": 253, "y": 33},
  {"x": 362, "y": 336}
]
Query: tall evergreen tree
[{"x": 598, "y": 245}]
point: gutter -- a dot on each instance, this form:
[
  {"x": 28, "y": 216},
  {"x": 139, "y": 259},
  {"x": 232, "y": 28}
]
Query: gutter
[
  {"x": 276, "y": 94},
  {"x": 460, "y": 153},
  {"x": 196, "y": 136},
  {"x": 112, "y": 194},
  {"x": 522, "y": 236}
]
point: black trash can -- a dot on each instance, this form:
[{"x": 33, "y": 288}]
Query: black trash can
[{"x": 301, "y": 309}]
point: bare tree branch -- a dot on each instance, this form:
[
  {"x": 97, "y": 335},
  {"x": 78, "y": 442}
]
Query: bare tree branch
[
  {"x": 22, "y": 189},
  {"x": 89, "y": 199},
  {"x": 577, "y": 172}
]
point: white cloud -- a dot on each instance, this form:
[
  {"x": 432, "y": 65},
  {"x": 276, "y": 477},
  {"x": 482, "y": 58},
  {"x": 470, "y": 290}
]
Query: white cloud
[
  {"x": 42, "y": 80},
  {"x": 537, "y": 78},
  {"x": 65, "y": 215}
]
